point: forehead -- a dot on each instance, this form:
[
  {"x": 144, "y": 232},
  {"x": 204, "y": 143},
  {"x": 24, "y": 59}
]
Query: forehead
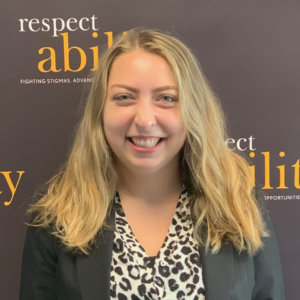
[{"x": 141, "y": 64}]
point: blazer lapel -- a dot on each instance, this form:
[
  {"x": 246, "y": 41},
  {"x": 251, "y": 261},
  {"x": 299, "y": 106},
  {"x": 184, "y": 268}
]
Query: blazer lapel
[
  {"x": 94, "y": 269},
  {"x": 217, "y": 272}
]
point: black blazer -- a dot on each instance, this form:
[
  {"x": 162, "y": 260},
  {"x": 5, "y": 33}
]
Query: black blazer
[{"x": 51, "y": 272}]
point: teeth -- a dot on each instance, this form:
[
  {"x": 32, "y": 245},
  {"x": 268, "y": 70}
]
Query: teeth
[{"x": 147, "y": 143}]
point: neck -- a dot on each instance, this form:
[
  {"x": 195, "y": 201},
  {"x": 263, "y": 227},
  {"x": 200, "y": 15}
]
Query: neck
[{"x": 152, "y": 188}]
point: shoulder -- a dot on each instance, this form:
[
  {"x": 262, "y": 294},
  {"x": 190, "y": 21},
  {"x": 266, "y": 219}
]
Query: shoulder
[
  {"x": 267, "y": 266},
  {"x": 40, "y": 232},
  {"x": 262, "y": 271},
  {"x": 48, "y": 267},
  {"x": 40, "y": 248},
  {"x": 39, "y": 264}
]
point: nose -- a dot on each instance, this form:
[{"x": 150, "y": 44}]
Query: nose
[{"x": 145, "y": 116}]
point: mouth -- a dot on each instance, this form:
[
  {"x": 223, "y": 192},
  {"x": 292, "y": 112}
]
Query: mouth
[{"x": 145, "y": 142}]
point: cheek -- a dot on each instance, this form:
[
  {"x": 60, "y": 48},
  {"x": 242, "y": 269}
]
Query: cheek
[
  {"x": 181, "y": 135},
  {"x": 179, "y": 132},
  {"x": 173, "y": 124},
  {"x": 114, "y": 124}
]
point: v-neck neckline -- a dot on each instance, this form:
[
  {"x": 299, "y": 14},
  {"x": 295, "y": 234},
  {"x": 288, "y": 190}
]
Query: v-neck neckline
[{"x": 119, "y": 210}]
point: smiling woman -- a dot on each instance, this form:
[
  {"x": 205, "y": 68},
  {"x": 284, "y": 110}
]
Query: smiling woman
[
  {"x": 142, "y": 115},
  {"x": 151, "y": 204}
]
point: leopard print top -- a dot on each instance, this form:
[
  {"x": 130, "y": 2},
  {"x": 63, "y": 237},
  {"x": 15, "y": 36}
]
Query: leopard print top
[{"x": 175, "y": 273}]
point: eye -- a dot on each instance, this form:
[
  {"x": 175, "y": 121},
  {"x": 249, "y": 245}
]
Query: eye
[
  {"x": 122, "y": 97},
  {"x": 167, "y": 98}
]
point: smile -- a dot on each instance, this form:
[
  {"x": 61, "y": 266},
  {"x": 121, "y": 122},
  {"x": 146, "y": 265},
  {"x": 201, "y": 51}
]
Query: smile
[{"x": 145, "y": 142}]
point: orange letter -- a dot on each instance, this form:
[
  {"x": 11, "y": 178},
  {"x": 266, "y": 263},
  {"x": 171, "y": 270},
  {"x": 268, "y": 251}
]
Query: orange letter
[
  {"x": 252, "y": 169},
  {"x": 296, "y": 166},
  {"x": 10, "y": 184},
  {"x": 109, "y": 35},
  {"x": 281, "y": 174},
  {"x": 267, "y": 185},
  {"x": 51, "y": 59},
  {"x": 67, "y": 51},
  {"x": 95, "y": 53}
]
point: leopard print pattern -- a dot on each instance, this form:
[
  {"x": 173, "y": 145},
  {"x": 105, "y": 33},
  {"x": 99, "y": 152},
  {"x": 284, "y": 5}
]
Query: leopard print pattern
[{"x": 175, "y": 273}]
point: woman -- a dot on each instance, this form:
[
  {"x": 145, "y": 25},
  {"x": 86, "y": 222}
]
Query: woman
[{"x": 151, "y": 203}]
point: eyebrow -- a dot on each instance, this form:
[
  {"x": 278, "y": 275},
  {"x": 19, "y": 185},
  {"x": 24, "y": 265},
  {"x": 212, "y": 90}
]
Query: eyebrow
[{"x": 159, "y": 89}]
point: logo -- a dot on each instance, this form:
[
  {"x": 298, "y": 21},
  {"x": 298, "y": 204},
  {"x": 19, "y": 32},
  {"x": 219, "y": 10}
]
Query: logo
[
  {"x": 68, "y": 56},
  {"x": 274, "y": 174}
]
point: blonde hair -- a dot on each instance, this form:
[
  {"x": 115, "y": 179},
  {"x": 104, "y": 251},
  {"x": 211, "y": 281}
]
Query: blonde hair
[{"x": 78, "y": 199}]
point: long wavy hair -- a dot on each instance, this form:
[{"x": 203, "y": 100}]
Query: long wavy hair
[{"x": 78, "y": 199}]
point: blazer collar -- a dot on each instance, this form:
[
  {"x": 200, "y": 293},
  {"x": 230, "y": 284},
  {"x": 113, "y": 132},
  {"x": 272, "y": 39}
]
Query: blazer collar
[{"x": 94, "y": 270}]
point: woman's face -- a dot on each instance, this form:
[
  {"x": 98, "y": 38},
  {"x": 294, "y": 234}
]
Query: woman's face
[{"x": 142, "y": 119}]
